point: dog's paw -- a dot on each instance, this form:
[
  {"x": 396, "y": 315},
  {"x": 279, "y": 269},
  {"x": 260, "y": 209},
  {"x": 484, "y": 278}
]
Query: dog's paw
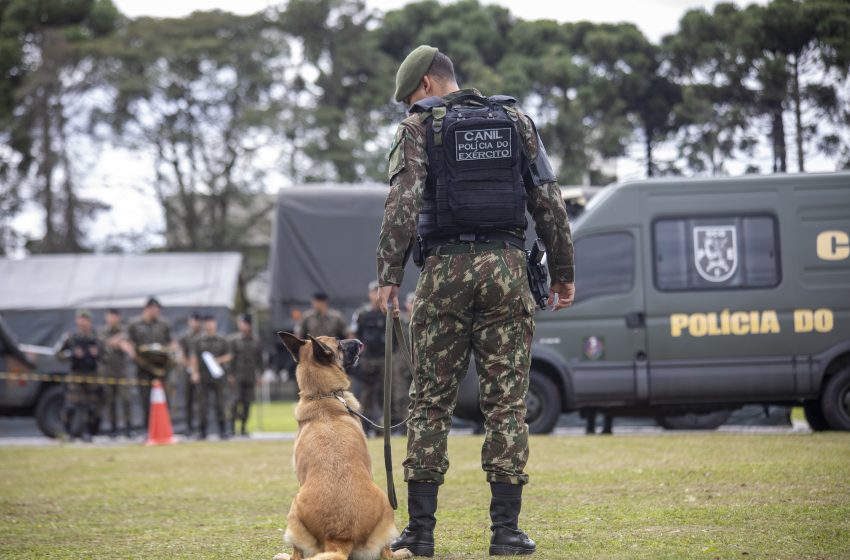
[
  {"x": 402, "y": 553},
  {"x": 285, "y": 556}
]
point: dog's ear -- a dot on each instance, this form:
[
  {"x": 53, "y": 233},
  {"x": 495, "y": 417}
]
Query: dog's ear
[
  {"x": 292, "y": 343},
  {"x": 320, "y": 350}
]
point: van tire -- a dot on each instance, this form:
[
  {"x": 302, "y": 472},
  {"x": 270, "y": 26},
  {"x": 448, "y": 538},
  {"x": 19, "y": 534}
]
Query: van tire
[
  {"x": 695, "y": 420},
  {"x": 814, "y": 416},
  {"x": 543, "y": 404},
  {"x": 48, "y": 411},
  {"x": 835, "y": 400}
]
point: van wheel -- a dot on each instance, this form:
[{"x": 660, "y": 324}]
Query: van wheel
[
  {"x": 542, "y": 403},
  {"x": 814, "y": 416},
  {"x": 48, "y": 412},
  {"x": 835, "y": 400},
  {"x": 695, "y": 420}
]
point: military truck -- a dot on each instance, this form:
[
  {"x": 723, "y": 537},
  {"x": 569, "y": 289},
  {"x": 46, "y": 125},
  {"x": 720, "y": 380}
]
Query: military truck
[{"x": 698, "y": 296}]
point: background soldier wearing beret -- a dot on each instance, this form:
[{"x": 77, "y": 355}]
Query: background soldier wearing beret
[
  {"x": 463, "y": 168},
  {"x": 246, "y": 364},
  {"x": 113, "y": 365},
  {"x": 82, "y": 398},
  {"x": 368, "y": 324},
  {"x": 212, "y": 342},
  {"x": 151, "y": 336},
  {"x": 186, "y": 340}
]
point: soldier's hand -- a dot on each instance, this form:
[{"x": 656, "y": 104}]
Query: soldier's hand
[
  {"x": 566, "y": 292},
  {"x": 195, "y": 378},
  {"x": 387, "y": 293}
]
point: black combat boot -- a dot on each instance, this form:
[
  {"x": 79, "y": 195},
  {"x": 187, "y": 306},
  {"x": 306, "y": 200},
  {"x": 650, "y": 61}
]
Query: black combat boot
[
  {"x": 418, "y": 536},
  {"x": 507, "y": 539}
]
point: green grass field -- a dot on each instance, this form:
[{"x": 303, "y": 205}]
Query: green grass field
[{"x": 641, "y": 496}]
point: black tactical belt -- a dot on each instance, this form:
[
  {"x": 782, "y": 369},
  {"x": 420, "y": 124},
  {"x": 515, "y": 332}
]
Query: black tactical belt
[{"x": 463, "y": 248}]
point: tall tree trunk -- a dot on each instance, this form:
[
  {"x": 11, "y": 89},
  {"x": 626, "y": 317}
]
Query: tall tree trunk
[
  {"x": 780, "y": 163},
  {"x": 71, "y": 240},
  {"x": 46, "y": 172},
  {"x": 650, "y": 168},
  {"x": 798, "y": 114}
]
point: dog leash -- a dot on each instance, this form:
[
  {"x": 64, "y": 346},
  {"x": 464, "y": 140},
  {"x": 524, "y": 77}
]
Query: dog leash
[{"x": 393, "y": 324}]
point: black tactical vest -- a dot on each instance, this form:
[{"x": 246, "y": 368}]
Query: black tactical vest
[
  {"x": 83, "y": 353},
  {"x": 371, "y": 330},
  {"x": 475, "y": 182}
]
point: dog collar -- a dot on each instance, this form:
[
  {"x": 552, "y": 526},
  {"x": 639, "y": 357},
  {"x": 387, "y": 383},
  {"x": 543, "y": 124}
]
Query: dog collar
[{"x": 335, "y": 394}]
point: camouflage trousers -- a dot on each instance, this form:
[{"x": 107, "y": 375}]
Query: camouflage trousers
[
  {"x": 115, "y": 395},
  {"x": 218, "y": 388},
  {"x": 371, "y": 387},
  {"x": 478, "y": 302},
  {"x": 243, "y": 396},
  {"x": 82, "y": 403}
]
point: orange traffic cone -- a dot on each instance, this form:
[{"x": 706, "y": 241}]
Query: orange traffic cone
[{"x": 159, "y": 427}]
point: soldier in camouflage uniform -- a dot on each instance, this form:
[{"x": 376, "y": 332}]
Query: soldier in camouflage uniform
[
  {"x": 321, "y": 320},
  {"x": 218, "y": 346},
  {"x": 82, "y": 397},
  {"x": 246, "y": 364},
  {"x": 149, "y": 333},
  {"x": 472, "y": 293},
  {"x": 368, "y": 324},
  {"x": 186, "y": 340},
  {"x": 113, "y": 365}
]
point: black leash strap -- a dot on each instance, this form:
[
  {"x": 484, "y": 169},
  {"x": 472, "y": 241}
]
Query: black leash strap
[{"x": 388, "y": 395}]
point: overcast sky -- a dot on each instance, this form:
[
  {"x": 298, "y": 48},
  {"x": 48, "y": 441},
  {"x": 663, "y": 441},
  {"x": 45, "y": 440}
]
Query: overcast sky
[{"x": 655, "y": 17}]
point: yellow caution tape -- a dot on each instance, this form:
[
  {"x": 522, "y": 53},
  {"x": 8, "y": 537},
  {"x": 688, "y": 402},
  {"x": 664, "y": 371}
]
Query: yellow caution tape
[{"x": 72, "y": 378}]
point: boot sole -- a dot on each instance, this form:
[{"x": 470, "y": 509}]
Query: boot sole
[
  {"x": 426, "y": 550},
  {"x": 504, "y": 550}
]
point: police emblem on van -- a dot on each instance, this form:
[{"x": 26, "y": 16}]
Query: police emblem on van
[{"x": 715, "y": 252}]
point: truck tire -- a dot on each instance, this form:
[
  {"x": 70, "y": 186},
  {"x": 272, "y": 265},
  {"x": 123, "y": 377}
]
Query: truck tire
[
  {"x": 814, "y": 416},
  {"x": 543, "y": 404},
  {"x": 835, "y": 400},
  {"x": 48, "y": 411},
  {"x": 695, "y": 420}
]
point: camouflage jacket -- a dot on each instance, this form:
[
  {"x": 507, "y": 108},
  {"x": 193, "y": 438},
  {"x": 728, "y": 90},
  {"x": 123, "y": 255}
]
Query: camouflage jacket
[
  {"x": 329, "y": 324},
  {"x": 408, "y": 170},
  {"x": 247, "y": 357},
  {"x": 83, "y": 350},
  {"x": 113, "y": 361},
  {"x": 215, "y": 344},
  {"x": 142, "y": 333}
]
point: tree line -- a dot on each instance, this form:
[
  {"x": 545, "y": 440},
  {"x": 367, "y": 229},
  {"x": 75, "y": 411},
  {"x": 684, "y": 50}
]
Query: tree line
[{"x": 218, "y": 101}]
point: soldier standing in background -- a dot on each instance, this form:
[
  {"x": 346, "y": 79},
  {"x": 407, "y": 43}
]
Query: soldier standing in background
[
  {"x": 192, "y": 332},
  {"x": 209, "y": 379},
  {"x": 151, "y": 338},
  {"x": 368, "y": 324},
  {"x": 402, "y": 376},
  {"x": 463, "y": 170},
  {"x": 321, "y": 320},
  {"x": 246, "y": 365},
  {"x": 82, "y": 398},
  {"x": 113, "y": 365}
]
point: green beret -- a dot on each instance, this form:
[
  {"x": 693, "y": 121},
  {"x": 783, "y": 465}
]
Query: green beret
[
  {"x": 85, "y": 313},
  {"x": 412, "y": 69}
]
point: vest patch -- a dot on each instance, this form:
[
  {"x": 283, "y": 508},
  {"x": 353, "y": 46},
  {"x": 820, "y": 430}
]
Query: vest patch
[{"x": 487, "y": 143}]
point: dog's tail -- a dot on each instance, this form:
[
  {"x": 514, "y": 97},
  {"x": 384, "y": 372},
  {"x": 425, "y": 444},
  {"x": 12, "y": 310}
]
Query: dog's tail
[{"x": 335, "y": 550}]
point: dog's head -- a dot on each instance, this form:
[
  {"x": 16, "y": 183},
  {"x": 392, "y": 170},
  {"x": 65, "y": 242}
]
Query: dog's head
[{"x": 322, "y": 361}]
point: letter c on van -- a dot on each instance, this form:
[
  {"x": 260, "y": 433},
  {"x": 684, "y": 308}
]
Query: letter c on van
[{"x": 833, "y": 245}]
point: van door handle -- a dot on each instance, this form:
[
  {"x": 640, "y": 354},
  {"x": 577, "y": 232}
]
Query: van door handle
[{"x": 636, "y": 320}]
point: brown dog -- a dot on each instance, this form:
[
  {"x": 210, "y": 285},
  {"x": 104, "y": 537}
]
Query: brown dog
[{"x": 339, "y": 512}]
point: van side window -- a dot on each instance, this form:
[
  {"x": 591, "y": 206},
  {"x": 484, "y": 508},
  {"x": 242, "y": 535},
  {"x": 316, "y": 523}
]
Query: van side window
[
  {"x": 712, "y": 253},
  {"x": 605, "y": 265}
]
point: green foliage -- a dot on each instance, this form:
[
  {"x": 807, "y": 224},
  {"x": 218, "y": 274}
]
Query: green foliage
[{"x": 214, "y": 97}]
